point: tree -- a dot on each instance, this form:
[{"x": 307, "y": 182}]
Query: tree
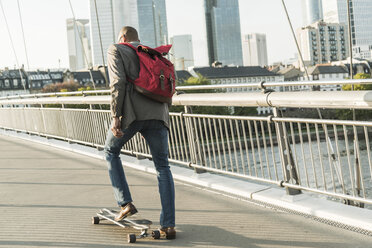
[
  {"x": 245, "y": 111},
  {"x": 69, "y": 86},
  {"x": 347, "y": 87},
  {"x": 195, "y": 81},
  {"x": 61, "y": 87},
  {"x": 359, "y": 114}
]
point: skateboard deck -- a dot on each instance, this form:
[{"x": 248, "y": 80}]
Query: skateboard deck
[{"x": 139, "y": 224}]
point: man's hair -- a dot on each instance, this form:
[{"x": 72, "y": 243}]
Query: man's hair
[{"x": 130, "y": 33}]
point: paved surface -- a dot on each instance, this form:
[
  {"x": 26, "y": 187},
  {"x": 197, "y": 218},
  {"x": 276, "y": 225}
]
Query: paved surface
[{"x": 48, "y": 196}]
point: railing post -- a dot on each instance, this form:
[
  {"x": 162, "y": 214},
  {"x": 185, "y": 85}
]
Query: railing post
[
  {"x": 193, "y": 141},
  {"x": 358, "y": 176},
  {"x": 288, "y": 164},
  {"x": 44, "y": 128}
]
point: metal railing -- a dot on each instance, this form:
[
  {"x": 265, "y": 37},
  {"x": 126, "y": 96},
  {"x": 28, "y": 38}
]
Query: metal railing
[
  {"x": 261, "y": 85},
  {"x": 329, "y": 157}
]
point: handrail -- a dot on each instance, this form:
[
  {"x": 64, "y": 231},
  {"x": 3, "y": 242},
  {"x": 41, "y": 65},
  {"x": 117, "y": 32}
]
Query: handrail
[
  {"x": 302, "y": 99},
  {"x": 105, "y": 99},
  {"x": 262, "y": 84},
  {"x": 56, "y": 94}
]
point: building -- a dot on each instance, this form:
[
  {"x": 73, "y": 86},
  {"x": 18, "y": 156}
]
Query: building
[
  {"x": 255, "y": 50},
  {"x": 13, "y": 82},
  {"x": 323, "y": 42},
  {"x": 335, "y": 11},
  {"x": 147, "y": 16},
  {"x": 152, "y": 21},
  {"x": 359, "y": 65},
  {"x": 363, "y": 52},
  {"x": 38, "y": 79},
  {"x": 312, "y": 11},
  {"x": 101, "y": 37},
  {"x": 223, "y": 31},
  {"x": 182, "y": 55},
  {"x": 327, "y": 73},
  {"x": 84, "y": 78},
  {"x": 240, "y": 75},
  {"x": 78, "y": 41},
  {"x": 182, "y": 76},
  {"x": 290, "y": 73}
]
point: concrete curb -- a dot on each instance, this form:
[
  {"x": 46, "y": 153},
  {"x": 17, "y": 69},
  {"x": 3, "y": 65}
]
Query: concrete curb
[{"x": 334, "y": 213}]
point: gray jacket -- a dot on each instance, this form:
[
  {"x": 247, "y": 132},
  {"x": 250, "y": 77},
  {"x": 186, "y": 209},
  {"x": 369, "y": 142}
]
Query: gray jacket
[{"x": 126, "y": 102}]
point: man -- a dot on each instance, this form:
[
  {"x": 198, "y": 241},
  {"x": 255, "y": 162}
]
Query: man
[{"x": 133, "y": 112}]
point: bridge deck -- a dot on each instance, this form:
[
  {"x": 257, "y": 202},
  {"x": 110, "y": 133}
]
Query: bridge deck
[{"x": 49, "y": 195}]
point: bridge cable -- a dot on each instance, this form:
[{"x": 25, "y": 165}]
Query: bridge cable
[
  {"x": 294, "y": 37},
  {"x": 24, "y": 45},
  {"x": 299, "y": 50},
  {"x": 11, "y": 41},
  {"x": 308, "y": 78},
  {"x": 84, "y": 52},
  {"x": 23, "y": 35},
  {"x": 356, "y": 161},
  {"x": 82, "y": 45},
  {"x": 100, "y": 41}
]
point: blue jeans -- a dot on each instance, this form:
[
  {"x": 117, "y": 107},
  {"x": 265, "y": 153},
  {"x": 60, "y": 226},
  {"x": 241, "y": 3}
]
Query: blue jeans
[{"x": 156, "y": 135}]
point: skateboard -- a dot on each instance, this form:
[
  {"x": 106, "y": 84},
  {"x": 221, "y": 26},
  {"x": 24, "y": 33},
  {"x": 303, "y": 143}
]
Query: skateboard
[{"x": 139, "y": 224}]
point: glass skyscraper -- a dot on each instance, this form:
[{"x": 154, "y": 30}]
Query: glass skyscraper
[
  {"x": 361, "y": 18},
  {"x": 147, "y": 16},
  {"x": 312, "y": 11},
  {"x": 152, "y": 17},
  {"x": 223, "y": 31}
]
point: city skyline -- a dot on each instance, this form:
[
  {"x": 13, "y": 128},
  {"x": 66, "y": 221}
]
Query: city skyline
[
  {"x": 147, "y": 16},
  {"x": 47, "y": 42}
]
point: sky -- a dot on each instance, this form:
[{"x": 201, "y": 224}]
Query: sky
[{"x": 44, "y": 23}]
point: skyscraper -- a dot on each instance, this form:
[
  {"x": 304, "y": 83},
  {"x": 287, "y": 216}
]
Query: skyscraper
[
  {"x": 255, "y": 50},
  {"x": 323, "y": 42},
  {"x": 312, "y": 11},
  {"x": 182, "y": 51},
  {"x": 223, "y": 31},
  {"x": 152, "y": 16},
  {"x": 360, "y": 12},
  {"x": 147, "y": 16},
  {"x": 78, "y": 41}
]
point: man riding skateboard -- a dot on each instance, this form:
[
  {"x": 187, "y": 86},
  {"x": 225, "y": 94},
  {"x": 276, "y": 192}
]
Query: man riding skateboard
[{"x": 133, "y": 112}]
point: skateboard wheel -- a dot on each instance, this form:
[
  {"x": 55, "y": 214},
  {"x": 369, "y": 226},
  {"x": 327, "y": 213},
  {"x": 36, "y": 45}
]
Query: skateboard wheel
[
  {"x": 155, "y": 234},
  {"x": 131, "y": 238},
  {"x": 95, "y": 220}
]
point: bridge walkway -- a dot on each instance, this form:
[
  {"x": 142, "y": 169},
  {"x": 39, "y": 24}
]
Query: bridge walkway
[{"x": 48, "y": 196}]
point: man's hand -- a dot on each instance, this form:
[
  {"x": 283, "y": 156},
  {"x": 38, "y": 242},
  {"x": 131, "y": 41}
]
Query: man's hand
[{"x": 116, "y": 127}]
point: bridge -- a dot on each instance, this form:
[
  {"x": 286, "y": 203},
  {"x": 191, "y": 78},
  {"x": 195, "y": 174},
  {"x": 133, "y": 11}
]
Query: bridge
[{"x": 241, "y": 181}]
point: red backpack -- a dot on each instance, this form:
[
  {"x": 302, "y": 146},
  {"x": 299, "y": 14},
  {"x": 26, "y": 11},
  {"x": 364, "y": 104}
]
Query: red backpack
[{"x": 156, "y": 78}]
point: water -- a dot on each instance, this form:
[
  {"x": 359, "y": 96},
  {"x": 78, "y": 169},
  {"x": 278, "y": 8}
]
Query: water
[{"x": 316, "y": 171}]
